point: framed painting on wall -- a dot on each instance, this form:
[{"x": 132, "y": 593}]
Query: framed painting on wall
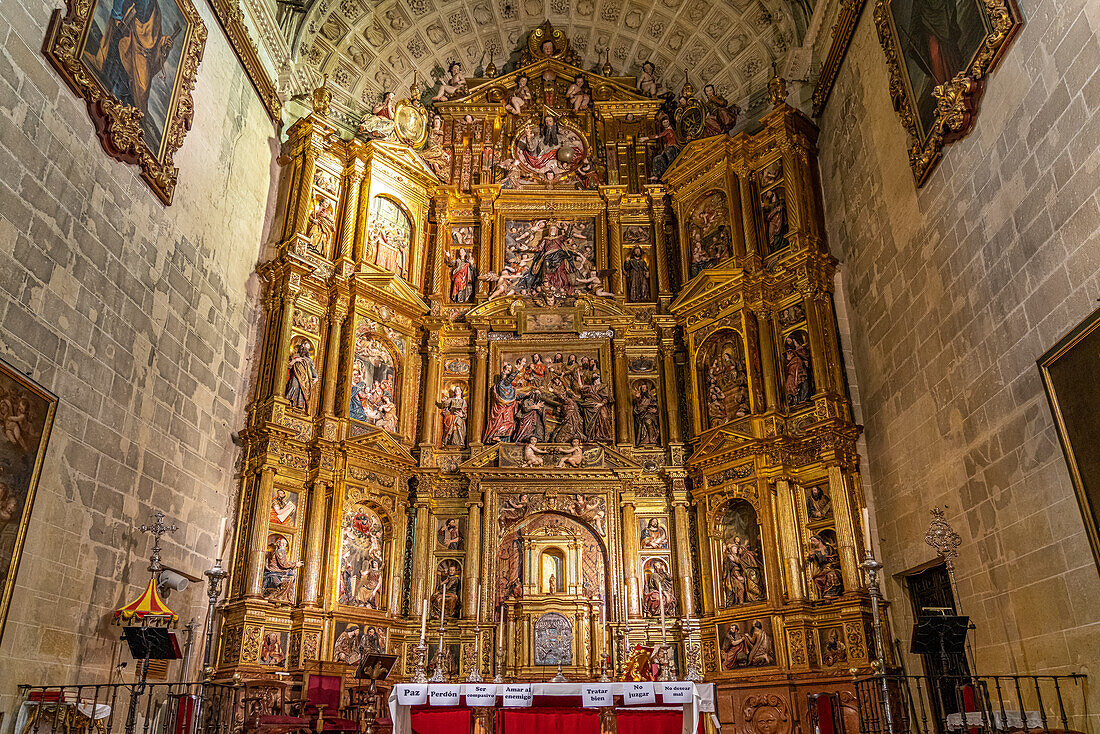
[
  {"x": 134, "y": 63},
  {"x": 1068, "y": 372},
  {"x": 939, "y": 53},
  {"x": 26, "y": 416}
]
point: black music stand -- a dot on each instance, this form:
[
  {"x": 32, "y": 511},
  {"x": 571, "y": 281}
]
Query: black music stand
[
  {"x": 940, "y": 634},
  {"x": 373, "y": 667},
  {"x": 147, "y": 643}
]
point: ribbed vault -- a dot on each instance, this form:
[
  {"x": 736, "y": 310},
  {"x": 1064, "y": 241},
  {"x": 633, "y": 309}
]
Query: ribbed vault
[{"x": 367, "y": 47}]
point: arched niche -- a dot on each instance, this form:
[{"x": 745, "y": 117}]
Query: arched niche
[
  {"x": 522, "y": 550},
  {"x": 738, "y": 554},
  {"x": 723, "y": 380},
  {"x": 390, "y": 235}
]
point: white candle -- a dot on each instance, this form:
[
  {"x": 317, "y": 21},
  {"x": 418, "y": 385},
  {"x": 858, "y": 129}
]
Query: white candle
[
  {"x": 661, "y": 591},
  {"x": 477, "y": 610},
  {"x": 866, "y": 530},
  {"x": 442, "y": 601},
  {"x": 423, "y": 620},
  {"x": 221, "y": 539},
  {"x": 500, "y": 630},
  {"x": 626, "y": 600}
]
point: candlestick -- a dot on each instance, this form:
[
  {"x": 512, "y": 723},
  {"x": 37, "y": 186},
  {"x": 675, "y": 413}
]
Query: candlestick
[
  {"x": 477, "y": 609},
  {"x": 423, "y": 621},
  {"x": 475, "y": 672},
  {"x": 661, "y": 591},
  {"x": 442, "y": 601},
  {"x": 499, "y": 660},
  {"x": 626, "y": 601},
  {"x": 866, "y": 530},
  {"x": 221, "y": 539}
]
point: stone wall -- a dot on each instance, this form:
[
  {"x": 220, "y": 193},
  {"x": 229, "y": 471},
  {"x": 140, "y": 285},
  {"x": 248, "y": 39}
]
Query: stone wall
[
  {"x": 953, "y": 292},
  {"x": 140, "y": 318}
]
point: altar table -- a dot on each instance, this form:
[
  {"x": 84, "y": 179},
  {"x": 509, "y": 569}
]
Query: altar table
[{"x": 555, "y": 697}]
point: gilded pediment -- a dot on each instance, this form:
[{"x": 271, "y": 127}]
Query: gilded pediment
[
  {"x": 378, "y": 441},
  {"x": 710, "y": 285},
  {"x": 382, "y": 286},
  {"x": 398, "y": 156},
  {"x": 526, "y": 316},
  {"x": 730, "y": 437},
  {"x": 699, "y": 158}
]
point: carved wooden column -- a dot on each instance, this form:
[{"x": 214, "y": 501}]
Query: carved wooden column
[
  {"x": 660, "y": 214},
  {"x": 314, "y": 555},
  {"x": 748, "y": 218},
  {"x": 613, "y": 196},
  {"x": 479, "y": 380},
  {"x": 847, "y": 534},
  {"x": 622, "y": 392},
  {"x": 422, "y": 549},
  {"x": 667, "y": 347},
  {"x": 332, "y": 356},
  {"x": 630, "y": 559},
  {"x": 400, "y": 531},
  {"x": 786, "y": 512},
  {"x": 485, "y": 207},
  {"x": 305, "y": 189},
  {"x": 430, "y": 420},
  {"x": 353, "y": 179},
  {"x": 817, "y": 341},
  {"x": 682, "y": 532},
  {"x": 766, "y": 339},
  {"x": 257, "y": 541},
  {"x": 472, "y": 569}
]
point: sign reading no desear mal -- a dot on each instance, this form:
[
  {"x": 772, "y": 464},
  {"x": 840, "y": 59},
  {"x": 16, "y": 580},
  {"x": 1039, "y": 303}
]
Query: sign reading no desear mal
[{"x": 676, "y": 692}]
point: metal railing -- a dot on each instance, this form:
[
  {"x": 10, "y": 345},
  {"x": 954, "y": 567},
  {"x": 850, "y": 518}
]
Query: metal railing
[
  {"x": 121, "y": 708},
  {"x": 987, "y": 704}
]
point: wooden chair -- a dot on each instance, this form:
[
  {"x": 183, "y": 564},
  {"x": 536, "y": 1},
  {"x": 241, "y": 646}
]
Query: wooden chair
[
  {"x": 321, "y": 703},
  {"x": 265, "y": 706}
]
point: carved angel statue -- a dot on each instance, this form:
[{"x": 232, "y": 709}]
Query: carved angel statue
[
  {"x": 521, "y": 96},
  {"x": 505, "y": 281},
  {"x": 379, "y": 124},
  {"x": 572, "y": 456},
  {"x": 454, "y": 87},
  {"x": 532, "y": 454},
  {"x": 589, "y": 279}
]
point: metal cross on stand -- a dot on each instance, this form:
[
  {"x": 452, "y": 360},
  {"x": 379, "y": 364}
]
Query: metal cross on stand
[{"x": 158, "y": 528}]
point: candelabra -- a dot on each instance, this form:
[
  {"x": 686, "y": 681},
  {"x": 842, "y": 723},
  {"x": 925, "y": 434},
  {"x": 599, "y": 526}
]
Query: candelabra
[
  {"x": 622, "y": 640},
  {"x": 691, "y": 652},
  {"x": 439, "y": 675},
  {"x": 420, "y": 674},
  {"x": 475, "y": 671},
  {"x": 214, "y": 577},
  {"x": 873, "y": 567}
]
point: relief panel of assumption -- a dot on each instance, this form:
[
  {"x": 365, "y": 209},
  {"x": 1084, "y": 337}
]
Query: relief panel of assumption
[
  {"x": 362, "y": 559},
  {"x": 549, "y": 260}
]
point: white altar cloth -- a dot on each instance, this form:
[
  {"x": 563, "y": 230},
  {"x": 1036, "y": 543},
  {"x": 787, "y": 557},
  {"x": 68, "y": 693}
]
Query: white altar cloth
[{"x": 702, "y": 700}]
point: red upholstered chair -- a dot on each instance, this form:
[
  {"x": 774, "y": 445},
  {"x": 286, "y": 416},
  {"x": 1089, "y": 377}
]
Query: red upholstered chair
[
  {"x": 265, "y": 709},
  {"x": 321, "y": 703}
]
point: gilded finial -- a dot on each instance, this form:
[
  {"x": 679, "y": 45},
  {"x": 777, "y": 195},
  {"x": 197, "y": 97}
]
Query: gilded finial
[
  {"x": 414, "y": 90},
  {"x": 688, "y": 90},
  {"x": 777, "y": 88},
  {"x": 491, "y": 69},
  {"x": 606, "y": 70},
  {"x": 322, "y": 97}
]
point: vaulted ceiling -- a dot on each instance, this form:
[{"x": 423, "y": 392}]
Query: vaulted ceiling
[{"x": 367, "y": 47}]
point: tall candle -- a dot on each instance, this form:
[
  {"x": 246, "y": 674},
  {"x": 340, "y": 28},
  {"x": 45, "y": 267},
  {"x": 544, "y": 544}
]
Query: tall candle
[
  {"x": 866, "y": 530},
  {"x": 423, "y": 621},
  {"x": 626, "y": 601},
  {"x": 661, "y": 591},
  {"x": 500, "y": 630},
  {"x": 477, "y": 611},
  {"x": 442, "y": 601},
  {"x": 221, "y": 539}
]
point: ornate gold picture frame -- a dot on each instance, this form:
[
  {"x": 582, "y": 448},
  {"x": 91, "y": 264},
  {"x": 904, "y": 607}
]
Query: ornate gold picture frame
[
  {"x": 1068, "y": 372},
  {"x": 134, "y": 64},
  {"x": 27, "y": 410},
  {"x": 939, "y": 53}
]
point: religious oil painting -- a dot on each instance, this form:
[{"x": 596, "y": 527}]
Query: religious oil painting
[
  {"x": 723, "y": 379},
  {"x": 1068, "y": 374},
  {"x": 134, "y": 62},
  {"x": 273, "y": 647},
  {"x": 284, "y": 508},
  {"x": 658, "y": 588},
  {"x": 373, "y": 382},
  {"x": 652, "y": 533},
  {"x": 353, "y": 640},
  {"x": 709, "y": 239},
  {"x": 26, "y": 416},
  {"x": 389, "y": 236},
  {"x": 746, "y": 644},
  {"x": 549, "y": 260},
  {"x": 550, "y": 397},
  {"x": 451, "y": 534},
  {"x": 740, "y": 558},
  {"x": 362, "y": 558},
  {"x": 939, "y": 53},
  {"x": 447, "y": 595}
]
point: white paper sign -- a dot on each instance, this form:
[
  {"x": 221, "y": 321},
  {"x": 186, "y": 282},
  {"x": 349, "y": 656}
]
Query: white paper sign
[
  {"x": 481, "y": 694},
  {"x": 706, "y": 697},
  {"x": 596, "y": 695},
  {"x": 635, "y": 694},
  {"x": 415, "y": 694},
  {"x": 445, "y": 694},
  {"x": 676, "y": 692},
  {"x": 518, "y": 695}
]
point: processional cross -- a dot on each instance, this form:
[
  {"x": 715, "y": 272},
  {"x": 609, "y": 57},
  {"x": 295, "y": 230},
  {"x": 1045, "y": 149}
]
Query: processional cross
[{"x": 158, "y": 528}]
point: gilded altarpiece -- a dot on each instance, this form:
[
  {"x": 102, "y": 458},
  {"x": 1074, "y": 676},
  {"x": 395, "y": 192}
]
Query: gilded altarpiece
[{"x": 479, "y": 394}]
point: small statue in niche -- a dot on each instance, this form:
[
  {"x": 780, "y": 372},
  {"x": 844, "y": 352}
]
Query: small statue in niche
[
  {"x": 301, "y": 376},
  {"x": 463, "y": 275},
  {"x": 379, "y": 124},
  {"x": 453, "y": 87},
  {"x": 589, "y": 175},
  {"x": 720, "y": 117},
  {"x": 818, "y": 504},
  {"x": 321, "y": 228},
  {"x": 454, "y": 409},
  {"x": 671, "y": 142},
  {"x": 578, "y": 94},
  {"x": 637, "y": 276},
  {"x": 647, "y": 421},
  {"x": 572, "y": 456},
  {"x": 823, "y": 555},
  {"x": 521, "y": 96},
  {"x": 658, "y": 589},
  {"x": 279, "y": 570},
  {"x": 435, "y": 154},
  {"x": 799, "y": 382}
]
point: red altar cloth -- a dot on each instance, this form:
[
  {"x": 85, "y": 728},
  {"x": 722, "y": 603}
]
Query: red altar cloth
[
  {"x": 650, "y": 722},
  {"x": 439, "y": 720},
  {"x": 549, "y": 720}
]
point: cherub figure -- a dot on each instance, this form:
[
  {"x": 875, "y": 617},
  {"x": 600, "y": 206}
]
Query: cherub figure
[
  {"x": 578, "y": 95},
  {"x": 521, "y": 97},
  {"x": 455, "y": 87},
  {"x": 532, "y": 453},
  {"x": 505, "y": 281},
  {"x": 573, "y": 456}
]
